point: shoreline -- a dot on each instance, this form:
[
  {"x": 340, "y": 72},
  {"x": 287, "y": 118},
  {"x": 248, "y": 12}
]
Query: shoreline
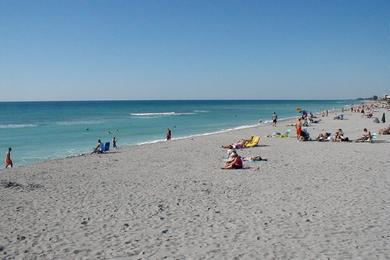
[{"x": 128, "y": 146}]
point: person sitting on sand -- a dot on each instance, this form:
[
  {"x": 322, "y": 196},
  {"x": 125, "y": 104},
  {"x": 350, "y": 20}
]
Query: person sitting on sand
[
  {"x": 8, "y": 161},
  {"x": 234, "y": 162},
  {"x": 98, "y": 148},
  {"x": 323, "y": 137},
  {"x": 366, "y": 137},
  {"x": 339, "y": 136}
]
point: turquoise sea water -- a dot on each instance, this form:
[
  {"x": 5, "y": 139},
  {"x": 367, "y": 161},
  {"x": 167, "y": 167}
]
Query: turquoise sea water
[{"x": 39, "y": 131}]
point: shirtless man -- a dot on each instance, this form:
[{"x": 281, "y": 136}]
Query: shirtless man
[{"x": 365, "y": 137}]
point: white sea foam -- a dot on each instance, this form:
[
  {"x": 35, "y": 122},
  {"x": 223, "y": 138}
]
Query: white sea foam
[
  {"x": 199, "y": 135},
  {"x": 17, "y": 126},
  {"x": 215, "y": 132},
  {"x": 200, "y": 111},
  {"x": 81, "y": 122},
  {"x": 161, "y": 114}
]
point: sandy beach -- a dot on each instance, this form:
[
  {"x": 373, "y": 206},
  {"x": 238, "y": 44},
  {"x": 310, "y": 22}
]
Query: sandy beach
[{"x": 172, "y": 200}]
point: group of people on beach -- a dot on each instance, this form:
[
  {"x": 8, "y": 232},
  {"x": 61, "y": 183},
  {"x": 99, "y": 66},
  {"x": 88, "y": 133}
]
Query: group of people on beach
[
  {"x": 340, "y": 137},
  {"x": 235, "y": 161},
  {"x": 99, "y": 145}
]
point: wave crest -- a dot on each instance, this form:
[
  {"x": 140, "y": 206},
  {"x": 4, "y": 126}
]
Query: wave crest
[
  {"x": 161, "y": 114},
  {"x": 86, "y": 122},
  {"x": 16, "y": 126}
]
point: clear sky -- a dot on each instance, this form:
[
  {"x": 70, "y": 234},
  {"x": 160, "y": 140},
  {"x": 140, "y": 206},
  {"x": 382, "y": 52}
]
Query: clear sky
[{"x": 87, "y": 50}]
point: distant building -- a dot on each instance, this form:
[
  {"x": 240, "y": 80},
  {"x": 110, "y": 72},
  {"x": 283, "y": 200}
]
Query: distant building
[{"x": 386, "y": 97}]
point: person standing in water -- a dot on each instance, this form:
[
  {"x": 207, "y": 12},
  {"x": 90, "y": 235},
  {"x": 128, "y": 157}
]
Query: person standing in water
[
  {"x": 274, "y": 119},
  {"x": 169, "y": 134},
  {"x": 8, "y": 161}
]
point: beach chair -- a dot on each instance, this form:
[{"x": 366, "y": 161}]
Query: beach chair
[
  {"x": 253, "y": 142},
  {"x": 106, "y": 146},
  {"x": 101, "y": 149}
]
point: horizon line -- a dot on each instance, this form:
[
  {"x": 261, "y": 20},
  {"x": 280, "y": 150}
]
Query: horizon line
[{"x": 227, "y": 99}]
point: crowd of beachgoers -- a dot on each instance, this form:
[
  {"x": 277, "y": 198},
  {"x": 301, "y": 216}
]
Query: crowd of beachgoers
[{"x": 306, "y": 119}]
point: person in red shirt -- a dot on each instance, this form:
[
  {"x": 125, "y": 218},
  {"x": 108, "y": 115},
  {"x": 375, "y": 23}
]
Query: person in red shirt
[{"x": 234, "y": 162}]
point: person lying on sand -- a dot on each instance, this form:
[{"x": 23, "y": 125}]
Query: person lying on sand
[
  {"x": 366, "y": 137},
  {"x": 237, "y": 145},
  {"x": 339, "y": 117},
  {"x": 254, "y": 158},
  {"x": 234, "y": 162},
  {"x": 339, "y": 136}
]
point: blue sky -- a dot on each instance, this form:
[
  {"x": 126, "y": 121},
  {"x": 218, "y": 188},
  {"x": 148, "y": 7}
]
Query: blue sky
[{"x": 87, "y": 50}]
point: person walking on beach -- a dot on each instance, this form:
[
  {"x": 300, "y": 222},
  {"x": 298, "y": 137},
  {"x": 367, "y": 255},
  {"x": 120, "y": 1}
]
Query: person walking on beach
[
  {"x": 114, "y": 142},
  {"x": 274, "y": 119},
  {"x": 8, "y": 161},
  {"x": 383, "y": 118},
  {"x": 169, "y": 134},
  {"x": 298, "y": 126}
]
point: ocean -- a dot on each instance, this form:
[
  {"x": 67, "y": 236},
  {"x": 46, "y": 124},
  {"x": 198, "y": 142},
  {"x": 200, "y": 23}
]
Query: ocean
[{"x": 39, "y": 131}]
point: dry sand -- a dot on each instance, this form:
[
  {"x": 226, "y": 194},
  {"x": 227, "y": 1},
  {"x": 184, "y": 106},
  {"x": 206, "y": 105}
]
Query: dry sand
[{"x": 310, "y": 200}]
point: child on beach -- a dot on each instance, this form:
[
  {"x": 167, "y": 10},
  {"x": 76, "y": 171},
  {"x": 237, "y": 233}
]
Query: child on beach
[{"x": 8, "y": 161}]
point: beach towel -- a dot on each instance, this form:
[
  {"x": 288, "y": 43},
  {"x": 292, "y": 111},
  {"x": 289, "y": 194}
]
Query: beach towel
[{"x": 253, "y": 142}]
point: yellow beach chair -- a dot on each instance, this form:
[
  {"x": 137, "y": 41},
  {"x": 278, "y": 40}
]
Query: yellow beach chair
[{"x": 253, "y": 142}]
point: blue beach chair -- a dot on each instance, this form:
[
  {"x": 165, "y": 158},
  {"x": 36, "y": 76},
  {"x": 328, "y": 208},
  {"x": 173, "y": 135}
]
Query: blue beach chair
[{"x": 104, "y": 147}]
